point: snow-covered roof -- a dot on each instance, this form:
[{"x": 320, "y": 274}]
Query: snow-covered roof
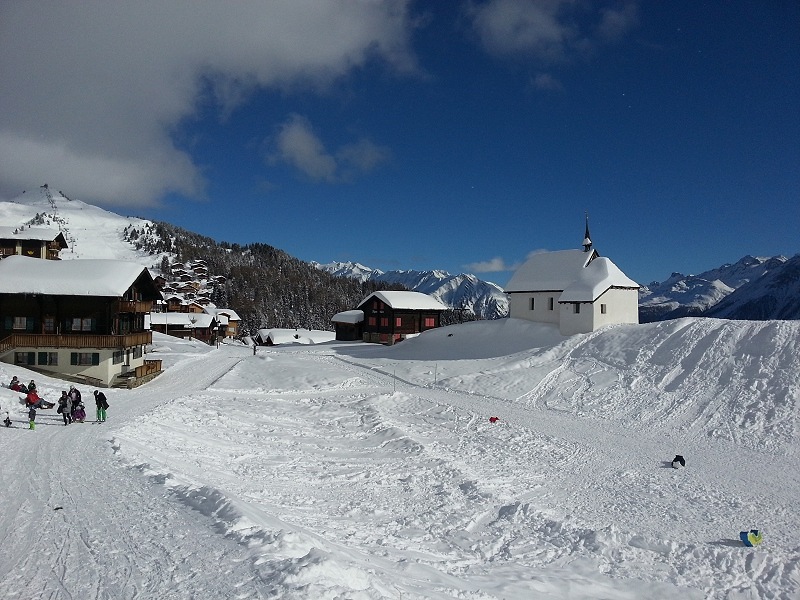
[
  {"x": 295, "y": 336},
  {"x": 348, "y": 316},
  {"x": 80, "y": 277},
  {"x": 29, "y": 233},
  {"x": 409, "y": 300},
  {"x": 228, "y": 312},
  {"x": 201, "y": 320},
  {"x": 549, "y": 271},
  {"x": 598, "y": 276}
]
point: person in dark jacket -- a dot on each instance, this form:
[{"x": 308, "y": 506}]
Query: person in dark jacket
[
  {"x": 102, "y": 405},
  {"x": 32, "y": 418},
  {"x": 65, "y": 407}
]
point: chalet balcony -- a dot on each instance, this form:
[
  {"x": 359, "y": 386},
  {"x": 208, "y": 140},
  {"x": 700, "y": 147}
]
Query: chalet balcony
[
  {"x": 88, "y": 340},
  {"x": 133, "y": 306}
]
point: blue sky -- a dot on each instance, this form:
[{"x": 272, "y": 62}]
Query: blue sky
[{"x": 419, "y": 135}]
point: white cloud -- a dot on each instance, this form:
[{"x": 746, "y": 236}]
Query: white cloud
[
  {"x": 93, "y": 90},
  {"x": 550, "y": 31},
  {"x": 299, "y": 146},
  {"x": 545, "y": 81},
  {"x": 493, "y": 265}
]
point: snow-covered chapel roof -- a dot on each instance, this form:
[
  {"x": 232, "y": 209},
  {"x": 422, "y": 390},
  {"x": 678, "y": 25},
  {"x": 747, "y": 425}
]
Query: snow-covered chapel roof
[
  {"x": 598, "y": 276},
  {"x": 80, "y": 277},
  {"x": 549, "y": 271}
]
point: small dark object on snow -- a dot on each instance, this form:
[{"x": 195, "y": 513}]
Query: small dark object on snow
[
  {"x": 58, "y": 508},
  {"x": 678, "y": 460},
  {"x": 494, "y": 419}
]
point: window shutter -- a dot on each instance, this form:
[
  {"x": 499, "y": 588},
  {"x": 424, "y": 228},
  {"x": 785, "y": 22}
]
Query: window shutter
[
  {"x": 95, "y": 358},
  {"x": 31, "y": 358},
  {"x": 42, "y": 358},
  {"x": 9, "y": 323},
  {"x": 73, "y": 358}
]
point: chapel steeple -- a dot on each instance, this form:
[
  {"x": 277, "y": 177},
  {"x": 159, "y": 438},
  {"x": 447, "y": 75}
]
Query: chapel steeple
[{"x": 587, "y": 240}]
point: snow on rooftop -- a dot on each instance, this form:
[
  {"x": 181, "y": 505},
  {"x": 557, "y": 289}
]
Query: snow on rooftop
[
  {"x": 597, "y": 277},
  {"x": 187, "y": 320},
  {"x": 348, "y": 316},
  {"x": 549, "y": 271},
  {"x": 409, "y": 300},
  {"x": 29, "y": 233},
  {"x": 85, "y": 277}
]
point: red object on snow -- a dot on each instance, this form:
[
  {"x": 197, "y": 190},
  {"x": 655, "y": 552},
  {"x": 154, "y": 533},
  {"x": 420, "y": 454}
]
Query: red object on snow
[{"x": 494, "y": 419}]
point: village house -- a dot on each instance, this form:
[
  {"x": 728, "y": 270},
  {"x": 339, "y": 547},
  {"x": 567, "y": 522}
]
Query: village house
[
  {"x": 578, "y": 290},
  {"x": 83, "y": 320},
  {"x": 392, "y": 316},
  {"x": 199, "y": 326},
  {"x": 348, "y": 325},
  {"x": 36, "y": 242},
  {"x": 226, "y": 314}
]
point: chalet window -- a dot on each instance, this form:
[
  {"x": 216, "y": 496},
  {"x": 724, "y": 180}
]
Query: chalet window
[
  {"x": 398, "y": 322},
  {"x": 551, "y": 304},
  {"x": 48, "y": 358},
  {"x": 84, "y": 359},
  {"x": 371, "y": 321},
  {"x": 430, "y": 322},
  {"x": 137, "y": 352},
  {"x": 82, "y": 324},
  {"x": 24, "y": 358},
  {"x": 49, "y": 324},
  {"x": 577, "y": 308},
  {"x": 384, "y": 321},
  {"x": 118, "y": 357},
  {"x": 602, "y": 309},
  {"x": 20, "y": 323},
  {"x": 532, "y": 303}
]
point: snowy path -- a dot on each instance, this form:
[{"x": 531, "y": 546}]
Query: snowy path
[
  {"x": 336, "y": 472},
  {"x": 82, "y": 525}
]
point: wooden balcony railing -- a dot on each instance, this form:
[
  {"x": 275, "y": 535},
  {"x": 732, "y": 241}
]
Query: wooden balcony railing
[
  {"x": 88, "y": 340},
  {"x": 133, "y": 306}
]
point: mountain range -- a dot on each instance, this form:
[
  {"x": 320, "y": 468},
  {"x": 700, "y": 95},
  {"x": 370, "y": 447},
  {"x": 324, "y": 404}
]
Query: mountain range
[
  {"x": 755, "y": 288},
  {"x": 464, "y": 292}
]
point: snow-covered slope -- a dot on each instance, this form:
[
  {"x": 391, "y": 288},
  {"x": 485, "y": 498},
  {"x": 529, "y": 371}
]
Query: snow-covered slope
[
  {"x": 464, "y": 291},
  {"x": 90, "y": 231},
  {"x": 358, "y": 471}
]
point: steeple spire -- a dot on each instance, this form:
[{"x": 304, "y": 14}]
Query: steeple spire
[{"x": 587, "y": 240}]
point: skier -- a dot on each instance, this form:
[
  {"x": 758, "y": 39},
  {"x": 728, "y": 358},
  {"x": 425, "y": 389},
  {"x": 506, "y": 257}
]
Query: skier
[{"x": 102, "y": 405}]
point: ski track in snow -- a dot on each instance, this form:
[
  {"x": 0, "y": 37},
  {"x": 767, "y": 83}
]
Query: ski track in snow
[{"x": 357, "y": 472}]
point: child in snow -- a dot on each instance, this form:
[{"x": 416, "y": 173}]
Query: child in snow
[
  {"x": 79, "y": 414},
  {"x": 32, "y": 418},
  {"x": 102, "y": 405},
  {"x": 7, "y": 420}
]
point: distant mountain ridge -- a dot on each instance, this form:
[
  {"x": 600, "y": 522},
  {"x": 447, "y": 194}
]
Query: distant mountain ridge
[
  {"x": 465, "y": 292},
  {"x": 755, "y": 288}
]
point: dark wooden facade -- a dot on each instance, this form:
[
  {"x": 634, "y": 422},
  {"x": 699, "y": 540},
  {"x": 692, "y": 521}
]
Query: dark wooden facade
[
  {"x": 385, "y": 324},
  {"x": 36, "y": 248}
]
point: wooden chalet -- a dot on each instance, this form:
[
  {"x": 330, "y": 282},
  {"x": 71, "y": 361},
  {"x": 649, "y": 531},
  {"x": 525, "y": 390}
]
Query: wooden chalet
[
  {"x": 392, "y": 316},
  {"x": 349, "y": 325},
  {"x": 35, "y": 242},
  {"x": 82, "y": 320}
]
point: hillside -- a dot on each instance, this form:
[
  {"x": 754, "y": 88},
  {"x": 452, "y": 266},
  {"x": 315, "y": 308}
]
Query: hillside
[
  {"x": 264, "y": 285},
  {"x": 347, "y": 470}
]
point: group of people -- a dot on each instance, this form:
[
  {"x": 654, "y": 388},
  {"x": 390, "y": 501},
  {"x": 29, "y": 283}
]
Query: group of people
[{"x": 70, "y": 405}]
